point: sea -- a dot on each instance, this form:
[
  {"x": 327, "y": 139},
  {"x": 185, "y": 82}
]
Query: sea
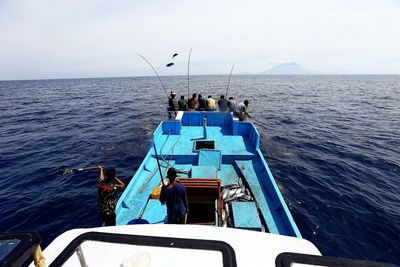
[{"x": 332, "y": 143}]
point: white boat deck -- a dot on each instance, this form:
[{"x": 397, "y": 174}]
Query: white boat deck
[{"x": 250, "y": 248}]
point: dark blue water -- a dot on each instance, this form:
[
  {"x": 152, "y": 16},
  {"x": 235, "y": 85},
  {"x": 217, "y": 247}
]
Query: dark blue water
[{"x": 332, "y": 142}]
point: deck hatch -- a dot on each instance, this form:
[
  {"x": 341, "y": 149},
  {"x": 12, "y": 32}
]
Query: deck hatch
[
  {"x": 204, "y": 200},
  {"x": 210, "y": 157},
  {"x": 204, "y": 144}
]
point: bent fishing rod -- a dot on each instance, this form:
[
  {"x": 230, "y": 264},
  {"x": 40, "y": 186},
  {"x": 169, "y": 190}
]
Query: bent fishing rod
[
  {"x": 227, "y": 87},
  {"x": 162, "y": 84},
  {"x": 190, "y": 53}
]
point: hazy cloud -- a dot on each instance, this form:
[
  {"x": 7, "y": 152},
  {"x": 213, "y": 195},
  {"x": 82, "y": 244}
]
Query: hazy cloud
[{"x": 50, "y": 39}]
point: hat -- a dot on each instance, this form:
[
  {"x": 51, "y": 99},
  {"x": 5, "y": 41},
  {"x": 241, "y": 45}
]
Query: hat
[{"x": 173, "y": 93}]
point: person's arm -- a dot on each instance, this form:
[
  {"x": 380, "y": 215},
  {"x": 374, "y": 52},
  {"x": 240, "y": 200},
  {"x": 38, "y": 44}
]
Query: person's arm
[
  {"x": 121, "y": 184},
  {"x": 101, "y": 173},
  {"x": 162, "y": 195},
  {"x": 246, "y": 112}
]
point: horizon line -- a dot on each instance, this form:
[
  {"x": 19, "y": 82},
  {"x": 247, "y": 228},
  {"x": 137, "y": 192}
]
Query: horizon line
[{"x": 238, "y": 74}]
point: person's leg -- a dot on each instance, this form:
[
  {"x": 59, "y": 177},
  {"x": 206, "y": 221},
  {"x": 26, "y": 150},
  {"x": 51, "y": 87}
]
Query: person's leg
[
  {"x": 113, "y": 219},
  {"x": 169, "y": 110},
  {"x": 179, "y": 219},
  {"x": 172, "y": 219},
  {"x": 182, "y": 219},
  {"x": 109, "y": 219}
]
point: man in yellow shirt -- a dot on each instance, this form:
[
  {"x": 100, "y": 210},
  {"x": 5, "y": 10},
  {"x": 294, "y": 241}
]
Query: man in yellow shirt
[{"x": 210, "y": 104}]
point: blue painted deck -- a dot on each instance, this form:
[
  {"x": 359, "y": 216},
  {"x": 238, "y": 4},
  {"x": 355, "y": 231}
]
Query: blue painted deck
[
  {"x": 246, "y": 216},
  {"x": 240, "y": 156}
]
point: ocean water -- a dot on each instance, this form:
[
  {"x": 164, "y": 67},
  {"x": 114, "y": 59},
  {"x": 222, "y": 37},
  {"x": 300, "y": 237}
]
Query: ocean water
[{"x": 332, "y": 143}]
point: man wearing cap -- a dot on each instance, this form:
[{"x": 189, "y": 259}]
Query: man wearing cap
[
  {"x": 173, "y": 106},
  {"x": 174, "y": 195}
]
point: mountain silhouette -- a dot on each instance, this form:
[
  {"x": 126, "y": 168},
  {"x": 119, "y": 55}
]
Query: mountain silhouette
[{"x": 290, "y": 68}]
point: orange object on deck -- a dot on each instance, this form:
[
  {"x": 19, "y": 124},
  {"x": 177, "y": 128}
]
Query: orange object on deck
[{"x": 155, "y": 194}]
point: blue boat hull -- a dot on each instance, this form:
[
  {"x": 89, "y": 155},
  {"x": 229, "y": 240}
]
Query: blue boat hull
[{"x": 235, "y": 154}]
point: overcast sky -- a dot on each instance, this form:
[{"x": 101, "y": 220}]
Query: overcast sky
[{"x": 98, "y": 38}]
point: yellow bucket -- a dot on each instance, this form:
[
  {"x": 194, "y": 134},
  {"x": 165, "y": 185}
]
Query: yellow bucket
[{"x": 155, "y": 194}]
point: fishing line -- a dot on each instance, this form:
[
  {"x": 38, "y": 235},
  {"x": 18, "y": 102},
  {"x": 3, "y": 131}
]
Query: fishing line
[
  {"x": 162, "y": 84},
  {"x": 257, "y": 121}
]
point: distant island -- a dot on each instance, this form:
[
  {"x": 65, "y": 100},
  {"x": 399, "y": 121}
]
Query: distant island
[{"x": 290, "y": 68}]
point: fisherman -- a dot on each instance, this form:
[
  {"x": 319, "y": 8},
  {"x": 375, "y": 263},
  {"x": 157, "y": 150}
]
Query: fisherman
[
  {"x": 241, "y": 111},
  {"x": 231, "y": 104},
  {"x": 173, "y": 106},
  {"x": 107, "y": 190},
  {"x": 182, "y": 103},
  {"x": 192, "y": 103},
  {"x": 222, "y": 104},
  {"x": 174, "y": 195},
  {"x": 202, "y": 104},
  {"x": 210, "y": 104}
]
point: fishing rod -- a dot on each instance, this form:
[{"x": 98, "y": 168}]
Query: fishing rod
[
  {"x": 74, "y": 170},
  {"x": 162, "y": 84},
  {"x": 227, "y": 87},
  {"x": 158, "y": 163},
  {"x": 190, "y": 53}
]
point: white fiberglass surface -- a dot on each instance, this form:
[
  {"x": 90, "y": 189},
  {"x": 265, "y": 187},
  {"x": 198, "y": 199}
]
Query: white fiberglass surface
[{"x": 97, "y": 253}]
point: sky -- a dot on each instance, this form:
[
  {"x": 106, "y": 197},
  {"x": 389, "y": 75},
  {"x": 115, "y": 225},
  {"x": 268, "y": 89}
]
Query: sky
[{"x": 97, "y": 38}]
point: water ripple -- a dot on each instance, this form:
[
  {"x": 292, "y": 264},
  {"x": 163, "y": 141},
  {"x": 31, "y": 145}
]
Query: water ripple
[{"x": 332, "y": 143}]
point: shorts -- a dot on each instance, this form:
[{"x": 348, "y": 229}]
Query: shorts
[{"x": 241, "y": 116}]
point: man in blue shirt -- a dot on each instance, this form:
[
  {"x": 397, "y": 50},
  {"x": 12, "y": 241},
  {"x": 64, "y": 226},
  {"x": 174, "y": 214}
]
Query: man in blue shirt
[{"x": 174, "y": 195}]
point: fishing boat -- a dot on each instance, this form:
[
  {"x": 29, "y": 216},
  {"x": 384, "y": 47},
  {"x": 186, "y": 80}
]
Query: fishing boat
[
  {"x": 237, "y": 215},
  {"x": 227, "y": 180}
]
